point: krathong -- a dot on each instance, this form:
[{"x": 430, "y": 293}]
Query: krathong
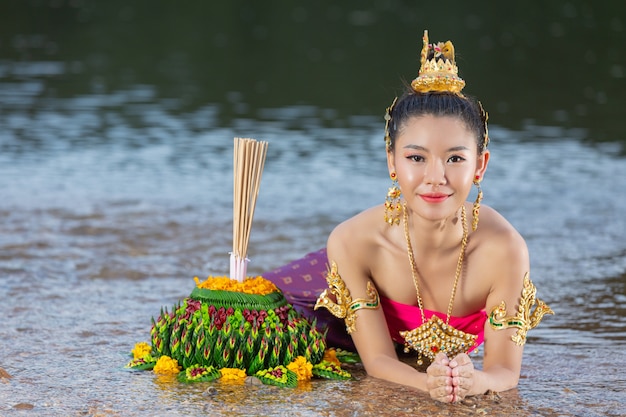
[
  {"x": 234, "y": 327},
  {"x": 217, "y": 333}
]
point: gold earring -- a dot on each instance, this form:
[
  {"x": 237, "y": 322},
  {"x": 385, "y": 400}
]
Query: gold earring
[
  {"x": 476, "y": 208},
  {"x": 393, "y": 208}
]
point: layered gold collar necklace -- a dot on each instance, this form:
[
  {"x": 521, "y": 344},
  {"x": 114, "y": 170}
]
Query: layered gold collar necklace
[{"x": 435, "y": 336}]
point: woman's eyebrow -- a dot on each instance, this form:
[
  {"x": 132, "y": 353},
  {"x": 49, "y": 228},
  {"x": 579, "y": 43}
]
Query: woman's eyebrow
[{"x": 421, "y": 148}]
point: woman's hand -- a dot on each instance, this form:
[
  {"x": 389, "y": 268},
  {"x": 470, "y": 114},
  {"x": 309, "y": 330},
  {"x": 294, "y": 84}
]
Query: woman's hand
[
  {"x": 450, "y": 380},
  {"x": 462, "y": 376},
  {"x": 440, "y": 379}
]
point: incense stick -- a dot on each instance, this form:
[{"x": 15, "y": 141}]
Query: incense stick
[{"x": 248, "y": 163}]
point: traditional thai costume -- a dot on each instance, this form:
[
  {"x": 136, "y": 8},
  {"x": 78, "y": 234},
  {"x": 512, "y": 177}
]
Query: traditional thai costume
[{"x": 303, "y": 280}]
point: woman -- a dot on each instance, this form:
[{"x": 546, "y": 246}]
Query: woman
[{"x": 421, "y": 270}]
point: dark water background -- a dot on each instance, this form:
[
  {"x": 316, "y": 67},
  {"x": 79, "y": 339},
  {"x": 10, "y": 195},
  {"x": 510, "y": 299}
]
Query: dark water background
[{"x": 116, "y": 128}]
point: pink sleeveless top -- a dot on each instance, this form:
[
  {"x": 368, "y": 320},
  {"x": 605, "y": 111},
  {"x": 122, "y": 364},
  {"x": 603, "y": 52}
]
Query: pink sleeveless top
[{"x": 401, "y": 317}]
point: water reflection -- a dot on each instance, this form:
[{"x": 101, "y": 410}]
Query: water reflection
[{"x": 557, "y": 64}]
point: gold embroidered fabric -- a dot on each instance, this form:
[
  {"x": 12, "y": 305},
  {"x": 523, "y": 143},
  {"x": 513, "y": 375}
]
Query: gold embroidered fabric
[
  {"x": 524, "y": 320},
  {"x": 344, "y": 307}
]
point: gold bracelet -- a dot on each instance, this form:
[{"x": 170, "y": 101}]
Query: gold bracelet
[
  {"x": 524, "y": 320},
  {"x": 344, "y": 307}
]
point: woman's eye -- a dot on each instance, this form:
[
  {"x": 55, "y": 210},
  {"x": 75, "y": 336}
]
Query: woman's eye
[
  {"x": 416, "y": 158},
  {"x": 456, "y": 158}
]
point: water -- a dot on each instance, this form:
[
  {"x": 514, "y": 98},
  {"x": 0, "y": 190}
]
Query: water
[{"x": 115, "y": 193}]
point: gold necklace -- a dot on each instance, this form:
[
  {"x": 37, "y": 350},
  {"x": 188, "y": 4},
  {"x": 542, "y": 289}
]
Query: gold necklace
[{"x": 435, "y": 336}]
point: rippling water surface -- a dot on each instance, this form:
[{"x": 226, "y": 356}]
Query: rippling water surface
[
  {"x": 113, "y": 199},
  {"x": 97, "y": 238}
]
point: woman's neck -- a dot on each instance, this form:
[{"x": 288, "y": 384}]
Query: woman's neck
[{"x": 435, "y": 235}]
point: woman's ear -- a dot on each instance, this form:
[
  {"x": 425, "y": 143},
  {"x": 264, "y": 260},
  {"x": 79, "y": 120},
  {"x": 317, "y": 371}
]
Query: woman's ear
[
  {"x": 481, "y": 164},
  {"x": 390, "y": 162}
]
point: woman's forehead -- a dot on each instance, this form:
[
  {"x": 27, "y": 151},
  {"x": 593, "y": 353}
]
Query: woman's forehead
[{"x": 428, "y": 123}]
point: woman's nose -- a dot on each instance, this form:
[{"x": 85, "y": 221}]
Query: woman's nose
[{"x": 435, "y": 173}]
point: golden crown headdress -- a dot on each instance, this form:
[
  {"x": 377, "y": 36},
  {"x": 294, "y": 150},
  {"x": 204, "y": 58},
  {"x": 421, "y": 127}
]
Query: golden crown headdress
[
  {"x": 438, "y": 70},
  {"x": 438, "y": 73}
]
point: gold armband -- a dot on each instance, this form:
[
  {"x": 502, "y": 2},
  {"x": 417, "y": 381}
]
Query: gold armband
[
  {"x": 344, "y": 307},
  {"x": 524, "y": 320}
]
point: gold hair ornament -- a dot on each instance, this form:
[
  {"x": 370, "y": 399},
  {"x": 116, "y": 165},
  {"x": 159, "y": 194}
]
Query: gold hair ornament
[
  {"x": 485, "y": 117},
  {"x": 392, "y": 201},
  {"x": 344, "y": 307},
  {"x": 387, "y": 120},
  {"x": 524, "y": 320},
  {"x": 439, "y": 73}
]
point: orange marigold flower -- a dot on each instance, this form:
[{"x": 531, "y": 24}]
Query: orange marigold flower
[
  {"x": 302, "y": 368},
  {"x": 166, "y": 366},
  {"x": 330, "y": 355},
  {"x": 141, "y": 349},
  {"x": 233, "y": 374},
  {"x": 257, "y": 285}
]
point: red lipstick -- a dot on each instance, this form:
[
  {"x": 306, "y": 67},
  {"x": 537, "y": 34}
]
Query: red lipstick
[{"x": 434, "y": 197}]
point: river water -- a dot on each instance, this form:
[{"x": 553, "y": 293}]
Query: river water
[{"x": 114, "y": 195}]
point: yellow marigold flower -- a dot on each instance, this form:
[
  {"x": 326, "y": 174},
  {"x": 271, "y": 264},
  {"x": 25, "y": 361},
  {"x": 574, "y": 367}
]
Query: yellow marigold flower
[
  {"x": 302, "y": 368},
  {"x": 257, "y": 285},
  {"x": 233, "y": 374},
  {"x": 330, "y": 355},
  {"x": 140, "y": 350},
  {"x": 166, "y": 366}
]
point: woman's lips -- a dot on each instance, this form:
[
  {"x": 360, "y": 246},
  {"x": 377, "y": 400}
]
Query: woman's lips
[{"x": 434, "y": 197}]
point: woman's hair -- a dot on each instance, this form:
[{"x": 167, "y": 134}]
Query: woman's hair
[{"x": 439, "y": 104}]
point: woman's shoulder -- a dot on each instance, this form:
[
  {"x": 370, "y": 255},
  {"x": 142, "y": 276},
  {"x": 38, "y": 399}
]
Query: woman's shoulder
[
  {"x": 366, "y": 221},
  {"x": 497, "y": 227},
  {"x": 498, "y": 242},
  {"x": 358, "y": 232}
]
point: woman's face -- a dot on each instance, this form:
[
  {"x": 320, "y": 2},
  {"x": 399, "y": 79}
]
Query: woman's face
[{"x": 436, "y": 161}]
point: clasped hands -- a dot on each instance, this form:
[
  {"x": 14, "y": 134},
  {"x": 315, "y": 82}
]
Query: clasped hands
[{"x": 450, "y": 380}]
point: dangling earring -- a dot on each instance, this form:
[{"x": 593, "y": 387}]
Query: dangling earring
[
  {"x": 476, "y": 208},
  {"x": 393, "y": 208}
]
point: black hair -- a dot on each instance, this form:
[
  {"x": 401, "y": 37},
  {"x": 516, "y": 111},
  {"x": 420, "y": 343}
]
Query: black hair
[{"x": 413, "y": 104}]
